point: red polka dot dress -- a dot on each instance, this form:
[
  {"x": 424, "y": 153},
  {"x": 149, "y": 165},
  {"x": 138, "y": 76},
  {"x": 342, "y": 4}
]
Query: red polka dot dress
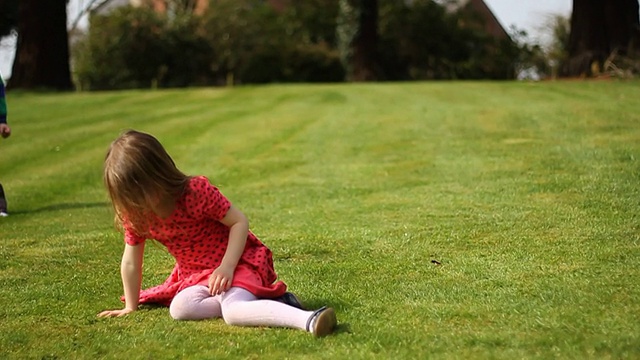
[{"x": 197, "y": 240}]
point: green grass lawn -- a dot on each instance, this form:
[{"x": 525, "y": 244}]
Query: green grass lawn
[{"x": 444, "y": 220}]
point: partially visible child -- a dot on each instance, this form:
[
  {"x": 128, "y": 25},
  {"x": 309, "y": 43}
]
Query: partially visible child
[
  {"x": 5, "y": 131},
  {"x": 222, "y": 269}
]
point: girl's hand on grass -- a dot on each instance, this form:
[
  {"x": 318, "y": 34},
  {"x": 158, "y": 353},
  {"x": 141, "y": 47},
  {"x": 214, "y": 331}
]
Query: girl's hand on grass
[
  {"x": 220, "y": 280},
  {"x": 115, "y": 313}
]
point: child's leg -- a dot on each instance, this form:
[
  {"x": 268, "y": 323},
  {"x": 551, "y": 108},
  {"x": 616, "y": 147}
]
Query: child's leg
[
  {"x": 3, "y": 202},
  {"x": 242, "y": 308},
  {"x": 195, "y": 303}
]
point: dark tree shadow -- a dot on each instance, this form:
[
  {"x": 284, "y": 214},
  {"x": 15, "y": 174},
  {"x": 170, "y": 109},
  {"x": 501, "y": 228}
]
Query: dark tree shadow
[{"x": 58, "y": 207}]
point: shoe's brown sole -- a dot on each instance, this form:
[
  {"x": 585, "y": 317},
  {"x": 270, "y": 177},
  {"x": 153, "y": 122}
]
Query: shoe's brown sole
[{"x": 325, "y": 323}]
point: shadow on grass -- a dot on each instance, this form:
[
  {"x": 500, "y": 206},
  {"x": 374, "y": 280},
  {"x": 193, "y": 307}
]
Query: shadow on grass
[
  {"x": 342, "y": 328},
  {"x": 62, "y": 206}
]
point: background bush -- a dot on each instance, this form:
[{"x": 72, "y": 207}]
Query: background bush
[
  {"x": 123, "y": 50},
  {"x": 246, "y": 41}
]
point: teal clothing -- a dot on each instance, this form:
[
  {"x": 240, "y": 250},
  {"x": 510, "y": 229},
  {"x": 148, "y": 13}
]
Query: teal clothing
[
  {"x": 3, "y": 103},
  {"x": 3, "y": 120}
]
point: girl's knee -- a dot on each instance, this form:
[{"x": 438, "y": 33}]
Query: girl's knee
[
  {"x": 194, "y": 303},
  {"x": 235, "y": 305},
  {"x": 232, "y": 313},
  {"x": 179, "y": 312},
  {"x": 201, "y": 311}
]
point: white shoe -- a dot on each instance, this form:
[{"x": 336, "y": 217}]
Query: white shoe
[{"x": 3, "y": 214}]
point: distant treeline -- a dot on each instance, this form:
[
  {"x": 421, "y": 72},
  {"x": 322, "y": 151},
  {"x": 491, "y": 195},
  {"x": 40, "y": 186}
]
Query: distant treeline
[{"x": 243, "y": 41}]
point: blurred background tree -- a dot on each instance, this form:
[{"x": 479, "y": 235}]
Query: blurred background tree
[
  {"x": 600, "y": 32},
  {"x": 42, "y": 52},
  {"x": 126, "y": 49},
  {"x": 8, "y": 16},
  {"x": 357, "y": 30},
  {"x": 173, "y": 43}
]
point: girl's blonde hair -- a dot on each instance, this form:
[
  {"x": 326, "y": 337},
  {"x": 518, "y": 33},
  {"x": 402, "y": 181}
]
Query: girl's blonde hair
[{"x": 138, "y": 172}]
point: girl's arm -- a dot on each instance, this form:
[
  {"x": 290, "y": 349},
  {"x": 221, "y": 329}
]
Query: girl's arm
[
  {"x": 220, "y": 280},
  {"x": 131, "y": 272}
]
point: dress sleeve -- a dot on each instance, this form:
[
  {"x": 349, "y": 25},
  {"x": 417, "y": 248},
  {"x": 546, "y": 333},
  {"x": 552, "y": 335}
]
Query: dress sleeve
[
  {"x": 206, "y": 200},
  {"x": 131, "y": 238}
]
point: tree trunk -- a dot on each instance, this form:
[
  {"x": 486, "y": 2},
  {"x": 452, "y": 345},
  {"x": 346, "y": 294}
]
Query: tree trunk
[
  {"x": 598, "y": 29},
  {"x": 42, "y": 54},
  {"x": 358, "y": 37},
  {"x": 365, "y": 43},
  {"x": 8, "y": 16}
]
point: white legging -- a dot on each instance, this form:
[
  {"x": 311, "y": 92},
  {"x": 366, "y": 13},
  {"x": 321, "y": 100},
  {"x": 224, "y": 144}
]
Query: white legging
[{"x": 236, "y": 306}]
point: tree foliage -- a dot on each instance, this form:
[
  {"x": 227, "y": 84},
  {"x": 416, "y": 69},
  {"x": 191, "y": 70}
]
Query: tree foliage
[
  {"x": 255, "y": 43},
  {"x": 234, "y": 33},
  {"x": 422, "y": 40},
  {"x": 549, "y": 58},
  {"x": 250, "y": 41},
  {"x": 312, "y": 21},
  {"x": 8, "y": 16},
  {"x": 241, "y": 41},
  {"x": 132, "y": 58}
]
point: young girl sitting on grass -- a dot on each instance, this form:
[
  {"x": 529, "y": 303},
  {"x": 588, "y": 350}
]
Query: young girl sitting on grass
[{"x": 222, "y": 269}]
